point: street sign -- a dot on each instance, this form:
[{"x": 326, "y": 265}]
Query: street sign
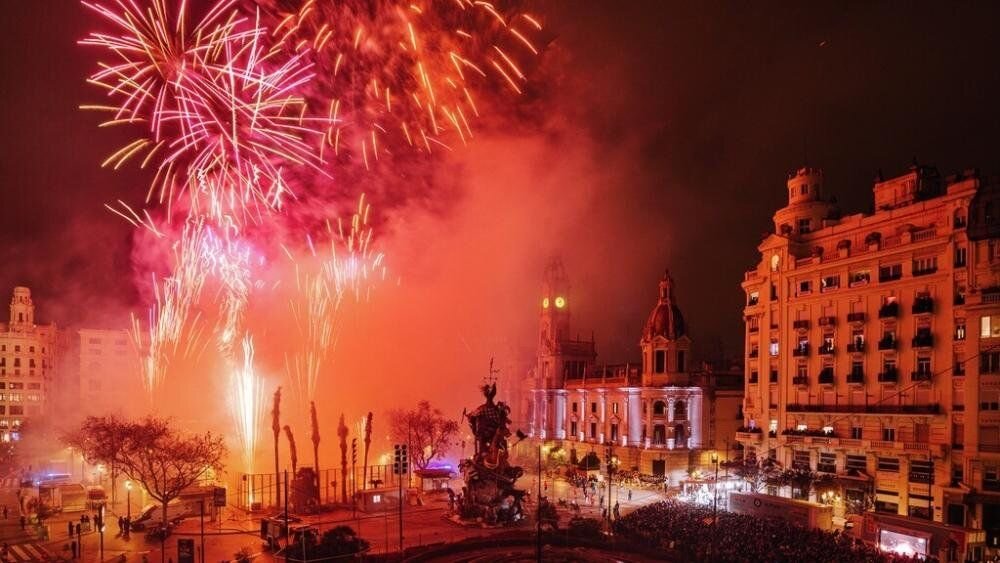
[
  {"x": 219, "y": 496},
  {"x": 185, "y": 550}
]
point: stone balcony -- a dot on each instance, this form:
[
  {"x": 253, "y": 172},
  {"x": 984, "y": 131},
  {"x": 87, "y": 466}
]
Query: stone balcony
[{"x": 749, "y": 437}]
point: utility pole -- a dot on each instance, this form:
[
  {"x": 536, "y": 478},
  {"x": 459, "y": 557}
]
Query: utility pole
[
  {"x": 538, "y": 516},
  {"x": 202, "y": 506},
  {"x": 287, "y": 537}
]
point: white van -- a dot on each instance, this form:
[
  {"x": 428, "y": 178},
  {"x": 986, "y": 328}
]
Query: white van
[{"x": 152, "y": 514}]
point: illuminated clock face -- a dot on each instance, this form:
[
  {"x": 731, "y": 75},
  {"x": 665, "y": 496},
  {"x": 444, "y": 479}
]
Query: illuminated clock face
[
  {"x": 560, "y": 302},
  {"x": 545, "y": 303}
]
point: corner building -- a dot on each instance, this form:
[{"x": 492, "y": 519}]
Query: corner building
[
  {"x": 873, "y": 346},
  {"x": 658, "y": 414}
]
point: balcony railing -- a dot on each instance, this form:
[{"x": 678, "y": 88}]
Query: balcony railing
[
  {"x": 888, "y": 277},
  {"x": 925, "y": 271},
  {"x": 922, "y": 306},
  {"x": 856, "y": 317},
  {"x": 890, "y": 376},
  {"x": 855, "y": 377},
  {"x": 990, "y": 448},
  {"x": 772, "y": 377},
  {"x": 923, "y": 341},
  {"x": 800, "y": 324},
  {"x": 753, "y": 377},
  {"x": 920, "y": 376},
  {"x": 801, "y": 350},
  {"x": 887, "y": 344},
  {"x": 889, "y": 310},
  {"x": 753, "y": 353},
  {"x": 800, "y": 380},
  {"x": 856, "y": 346},
  {"x": 932, "y": 408},
  {"x": 826, "y": 349},
  {"x": 827, "y": 321}
]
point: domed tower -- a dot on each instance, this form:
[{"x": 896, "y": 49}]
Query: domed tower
[
  {"x": 806, "y": 207},
  {"x": 22, "y": 310},
  {"x": 665, "y": 345}
]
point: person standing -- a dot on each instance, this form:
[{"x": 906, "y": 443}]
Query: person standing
[
  {"x": 72, "y": 546},
  {"x": 69, "y": 527}
]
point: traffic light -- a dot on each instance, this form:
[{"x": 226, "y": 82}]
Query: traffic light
[
  {"x": 354, "y": 451},
  {"x": 400, "y": 463}
]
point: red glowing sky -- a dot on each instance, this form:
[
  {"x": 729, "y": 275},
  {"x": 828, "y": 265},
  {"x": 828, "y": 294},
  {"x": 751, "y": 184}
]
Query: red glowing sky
[{"x": 662, "y": 140}]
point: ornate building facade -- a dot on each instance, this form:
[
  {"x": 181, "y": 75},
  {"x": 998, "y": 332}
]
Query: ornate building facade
[
  {"x": 28, "y": 354},
  {"x": 657, "y": 412},
  {"x": 873, "y": 346}
]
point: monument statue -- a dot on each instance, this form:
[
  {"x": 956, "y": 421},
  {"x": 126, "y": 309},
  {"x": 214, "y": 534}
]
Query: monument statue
[{"x": 489, "y": 495}]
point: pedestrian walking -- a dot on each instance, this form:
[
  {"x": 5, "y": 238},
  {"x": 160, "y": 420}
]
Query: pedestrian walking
[
  {"x": 69, "y": 527},
  {"x": 78, "y": 529},
  {"x": 630, "y": 495},
  {"x": 72, "y": 547},
  {"x": 602, "y": 500},
  {"x": 618, "y": 513}
]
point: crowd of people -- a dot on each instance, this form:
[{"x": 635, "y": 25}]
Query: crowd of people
[{"x": 688, "y": 531}]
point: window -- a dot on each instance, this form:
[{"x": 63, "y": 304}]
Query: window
[
  {"x": 15, "y": 385},
  {"x": 614, "y": 407},
  {"x": 660, "y": 361},
  {"x": 17, "y": 362},
  {"x": 805, "y": 286},
  {"x": 800, "y": 460},
  {"x": 93, "y": 341},
  {"x": 989, "y": 327},
  {"x": 659, "y": 408},
  {"x": 830, "y": 282},
  {"x": 753, "y": 324},
  {"x": 926, "y": 265},
  {"x": 593, "y": 407},
  {"x": 890, "y": 272},
  {"x": 16, "y": 397},
  {"x": 889, "y": 435},
  {"x": 16, "y": 410},
  {"x": 960, "y": 329},
  {"x": 614, "y": 432},
  {"x": 754, "y": 298},
  {"x": 805, "y": 225},
  {"x": 989, "y": 400},
  {"x": 680, "y": 410},
  {"x": 924, "y": 365},
  {"x": 593, "y": 430},
  {"x": 680, "y": 361},
  {"x": 576, "y": 407},
  {"x": 573, "y": 430},
  {"x": 827, "y": 462},
  {"x": 856, "y": 462},
  {"x": 989, "y": 362},
  {"x": 861, "y": 277},
  {"x": 857, "y": 433},
  {"x": 888, "y": 364},
  {"x": 960, "y": 256},
  {"x": 888, "y": 464},
  {"x": 957, "y": 473},
  {"x": 773, "y": 348},
  {"x": 921, "y": 471},
  {"x": 34, "y": 386}
]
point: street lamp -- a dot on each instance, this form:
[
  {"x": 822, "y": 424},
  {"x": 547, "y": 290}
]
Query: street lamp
[
  {"x": 612, "y": 464},
  {"x": 128, "y": 509},
  {"x": 715, "y": 489}
]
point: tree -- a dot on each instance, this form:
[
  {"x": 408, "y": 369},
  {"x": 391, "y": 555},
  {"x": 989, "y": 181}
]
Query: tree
[
  {"x": 276, "y": 429},
  {"x": 758, "y": 473},
  {"x": 427, "y": 431},
  {"x": 292, "y": 451},
  {"x": 151, "y": 452},
  {"x": 342, "y": 434},
  {"x": 368, "y": 443},
  {"x": 315, "y": 438}
]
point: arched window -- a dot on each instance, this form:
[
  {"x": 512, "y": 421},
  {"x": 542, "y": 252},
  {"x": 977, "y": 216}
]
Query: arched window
[
  {"x": 659, "y": 408},
  {"x": 680, "y": 411}
]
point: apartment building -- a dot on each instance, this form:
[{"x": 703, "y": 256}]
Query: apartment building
[{"x": 873, "y": 349}]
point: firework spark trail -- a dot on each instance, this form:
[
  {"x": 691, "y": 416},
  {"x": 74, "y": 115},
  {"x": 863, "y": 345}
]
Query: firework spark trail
[
  {"x": 402, "y": 74},
  {"x": 215, "y": 99},
  {"x": 347, "y": 266},
  {"x": 247, "y": 403},
  {"x": 171, "y": 331}
]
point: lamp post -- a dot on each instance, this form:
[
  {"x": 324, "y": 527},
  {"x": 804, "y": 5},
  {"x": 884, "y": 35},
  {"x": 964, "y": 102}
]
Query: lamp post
[
  {"x": 715, "y": 490},
  {"x": 128, "y": 508},
  {"x": 612, "y": 463}
]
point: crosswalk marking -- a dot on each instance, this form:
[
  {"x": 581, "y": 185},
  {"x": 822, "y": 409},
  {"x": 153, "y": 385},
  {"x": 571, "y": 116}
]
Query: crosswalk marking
[{"x": 29, "y": 552}]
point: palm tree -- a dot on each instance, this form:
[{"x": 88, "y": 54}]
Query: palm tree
[
  {"x": 315, "y": 439},
  {"x": 291, "y": 450},
  {"x": 276, "y": 428},
  {"x": 368, "y": 443},
  {"x": 342, "y": 434}
]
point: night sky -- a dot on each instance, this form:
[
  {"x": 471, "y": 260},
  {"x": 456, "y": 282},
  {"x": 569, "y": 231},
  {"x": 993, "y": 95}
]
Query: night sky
[{"x": 670, "y": 128}]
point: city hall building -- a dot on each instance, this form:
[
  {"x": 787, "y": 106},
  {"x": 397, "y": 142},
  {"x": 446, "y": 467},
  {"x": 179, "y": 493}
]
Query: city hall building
[
  {"x": 659, "y": 414},
  {"x": 873, "y": 348}
]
